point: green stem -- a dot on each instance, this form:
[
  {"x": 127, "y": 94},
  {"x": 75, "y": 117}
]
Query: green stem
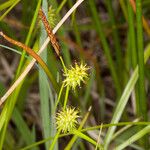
[
  {"x": 132, "y": 36},
  {"x": 88, "y": 129},
  {"x": 83, "y": 136},
  {"x": 124, "y": 10},
  {"x": 115, "y": 35},
  {"x": 28, "y": 37},
  {"x": 66, "y": 97},
  {"x": 98, "y": 25},
  {"x": 6, "y": 4},
  {"x": 132, "y": 44},
  {"x": 58, "y": 99},
  {"x": 9, "y": 9},
  {"x": 61, "y": 6},
  {"x": 141, "y": 103},
  {"x": 63, "y": 64},
  {"x": 54, "y": 141}
]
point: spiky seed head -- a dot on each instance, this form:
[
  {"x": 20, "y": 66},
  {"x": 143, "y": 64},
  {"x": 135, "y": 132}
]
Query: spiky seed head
[
  {"x": 66, "y": 119},
  {"x": 75, "y": 75}
]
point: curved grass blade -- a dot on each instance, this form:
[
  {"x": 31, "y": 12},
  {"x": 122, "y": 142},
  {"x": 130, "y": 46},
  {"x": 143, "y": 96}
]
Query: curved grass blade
[{"x": 124, "y": 99}]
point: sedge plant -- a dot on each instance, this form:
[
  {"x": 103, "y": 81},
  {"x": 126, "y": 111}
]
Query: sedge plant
[{"x": 121, "y": 68}]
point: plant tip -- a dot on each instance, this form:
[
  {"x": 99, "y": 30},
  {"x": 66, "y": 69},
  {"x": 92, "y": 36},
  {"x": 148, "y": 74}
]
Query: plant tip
[
  {"x": 89, "y": 109},
  {"x": 1, "y": 33}
]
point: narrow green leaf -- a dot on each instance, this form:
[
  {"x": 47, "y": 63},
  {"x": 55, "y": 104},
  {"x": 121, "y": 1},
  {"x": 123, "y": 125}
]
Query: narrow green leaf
[
  {"x": 134, "y": 138},
  {"x": 124, "y": 99}
]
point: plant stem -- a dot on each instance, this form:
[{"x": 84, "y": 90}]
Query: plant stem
[
  {"x": 99, "y": 28},
  {"x": 132, "y": 45},
  {"x": 58, "y": 99},
  {"x": 63, "y": 64},
  {"x": 54, "y": 141},
  {"x": 66, "y": 97},
  {"x": 115, "y": 35},
  {"x": 141, "y": 104}
]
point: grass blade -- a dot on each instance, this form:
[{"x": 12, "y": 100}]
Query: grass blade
[
  {"x": 124, "y": 99},
  {"x": 43, "y": 85},
  {"x": 134, "y": 138}
]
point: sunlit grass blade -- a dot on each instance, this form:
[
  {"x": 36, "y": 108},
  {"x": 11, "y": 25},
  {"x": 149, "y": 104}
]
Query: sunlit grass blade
[
  {"x": 134, "y": 138},
  {"x": 85, "y": 137},
  {"x": 124, "y": 99},
  {"x": 9, "y": 9},
  {"x": 6, "y": 4}
]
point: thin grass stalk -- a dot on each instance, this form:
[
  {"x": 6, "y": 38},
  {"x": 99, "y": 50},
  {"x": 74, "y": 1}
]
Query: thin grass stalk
[
  {"x": 9, "y": 9},
  {"x": 116, "y": 38},
  {"x": 134, "y": 138},
  {"x": 66, "y": 97},
  {"x": 13, "y": 50},
  {"x": 75, "y": 26},
  {"x": 132, "y": 45},
  {"x": 54, "y": 140},
  {"x": 141, "y": 103},
  {"x": 101, "y": 90},
  {"x": 28, "y": 38},
  {"x": 99, "y": 28},
  {"x": 61, "y": 6},
  {"x": 132, "y": 37},
  {"x": 59, "y": 96},
  {"x": 124, "y": 10},
  {"x": 85, "y": 137},
  {"x": 145, "y": 23},
  {"x": 122, "y": 130},
  {"x": 6, "y": 4}
]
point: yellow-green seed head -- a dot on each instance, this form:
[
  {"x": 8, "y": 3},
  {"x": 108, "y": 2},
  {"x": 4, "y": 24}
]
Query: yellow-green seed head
[
  {"x": 75, "y": 75},
  {"x": 66, "y": 119}
]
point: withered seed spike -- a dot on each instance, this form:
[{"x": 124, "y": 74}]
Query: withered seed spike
[
  {"x": 49, "y": 32},
  {"x": 26, "y": 48}
]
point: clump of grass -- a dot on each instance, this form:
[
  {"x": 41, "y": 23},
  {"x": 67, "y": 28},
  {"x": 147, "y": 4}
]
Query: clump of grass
[{"x": 117, "y": 76}]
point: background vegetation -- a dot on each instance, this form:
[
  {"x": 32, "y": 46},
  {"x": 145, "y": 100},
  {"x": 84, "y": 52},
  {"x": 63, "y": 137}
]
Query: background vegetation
[{"x": 112, "y": 37}]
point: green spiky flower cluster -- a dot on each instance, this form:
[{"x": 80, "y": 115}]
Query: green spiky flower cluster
[
  {"x": 75, "y": 75},
  {"x": 66, "y": 119},
  {"x": 52, "y": 17}
]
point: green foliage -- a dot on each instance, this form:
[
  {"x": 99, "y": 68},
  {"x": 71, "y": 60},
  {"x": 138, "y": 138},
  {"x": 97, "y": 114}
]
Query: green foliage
[{"x": 109, "y": 37}]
